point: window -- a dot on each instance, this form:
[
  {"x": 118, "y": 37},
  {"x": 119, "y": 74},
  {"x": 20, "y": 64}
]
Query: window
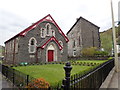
[
  {"x": 48, "y": 27},
  {"x": 42, "y": 32},
  {"x": 74, "y": 44},
  {"x": 74, "y": 53},
  {"x": 32, "y": 42},
  {"x": 16, "y": 47},
  {"x": 79, "y": 40},
  {"x": 53, "y": 33},
  {"x": 32, "y": 45},
  {"x": 11, "y": 46},
  {"x": 72, "y": 36},
  {"x": 61, "y": 43}
]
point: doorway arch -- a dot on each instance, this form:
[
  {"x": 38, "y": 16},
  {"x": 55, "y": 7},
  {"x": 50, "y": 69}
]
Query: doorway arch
[{"x": 51, "y": 53}]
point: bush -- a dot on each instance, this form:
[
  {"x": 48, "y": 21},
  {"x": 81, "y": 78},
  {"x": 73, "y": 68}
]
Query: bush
[
  {"x": 110, "y": 58},
  {"x": 118, "y": 54},
  {"x": 101, "y": 53},
  {"x": 39, "y": 83},
  {"x": 89, "y": 51}
]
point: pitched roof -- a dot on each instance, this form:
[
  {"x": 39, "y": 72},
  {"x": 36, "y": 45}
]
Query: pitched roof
[
  {"x": 47, "y": 40},
  {"x": 77, "y": 22},
  {"x": 46, "y": 18}
]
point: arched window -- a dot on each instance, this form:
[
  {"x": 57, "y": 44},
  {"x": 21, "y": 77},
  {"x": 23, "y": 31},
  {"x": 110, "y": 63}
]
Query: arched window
[
  {"x": 48, "y": 27},
  {"x": 42, "y": 33},
  {"x": 74, "y": 44},
  {"x": 61, "y": 43},
  {"x": 32, "y": 42},
  {"x": 79, "y": 40},
  {"x": 32, "y": 45},
  {"x": 53, "y": 33}
]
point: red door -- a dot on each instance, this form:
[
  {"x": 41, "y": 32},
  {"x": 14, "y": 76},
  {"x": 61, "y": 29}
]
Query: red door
[{"x": 50, "y": 55}]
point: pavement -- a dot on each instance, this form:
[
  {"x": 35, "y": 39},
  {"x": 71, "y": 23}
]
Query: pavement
[
  {"x": 112, "y": 82},
  {"x": 4, "y": 83}
]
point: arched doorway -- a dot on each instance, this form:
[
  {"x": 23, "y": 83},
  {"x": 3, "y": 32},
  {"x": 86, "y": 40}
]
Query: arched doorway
[{"x": 51, "y": 54}]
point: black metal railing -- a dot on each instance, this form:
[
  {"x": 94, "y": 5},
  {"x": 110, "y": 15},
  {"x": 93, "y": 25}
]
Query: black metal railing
[
  {"x": 92, "y": 79},
  {"x": 88, "y": 79},
  {"x": 18, "y": 79}
]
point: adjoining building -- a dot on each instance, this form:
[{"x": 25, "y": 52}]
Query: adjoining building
[{"x": 83, "y": 34}]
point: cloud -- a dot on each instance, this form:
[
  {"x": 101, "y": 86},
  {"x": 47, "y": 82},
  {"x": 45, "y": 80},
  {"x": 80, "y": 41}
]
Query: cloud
[
  {"x": 10, "y": 25},
  {"x": 19, "y": 14}
]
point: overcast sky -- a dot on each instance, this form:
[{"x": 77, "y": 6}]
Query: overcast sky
[{"x": 16, "y": 15}]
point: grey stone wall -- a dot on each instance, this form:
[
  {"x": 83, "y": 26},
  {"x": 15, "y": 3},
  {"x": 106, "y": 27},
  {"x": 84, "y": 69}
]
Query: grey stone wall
[
  {"x": 90, "y": 34},
  {"x": 23, "y": 54},
  {"x": 85, "y": 34}
]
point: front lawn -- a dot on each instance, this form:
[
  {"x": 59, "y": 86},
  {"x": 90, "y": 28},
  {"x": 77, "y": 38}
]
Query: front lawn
[{"x": 52, "y": 73}]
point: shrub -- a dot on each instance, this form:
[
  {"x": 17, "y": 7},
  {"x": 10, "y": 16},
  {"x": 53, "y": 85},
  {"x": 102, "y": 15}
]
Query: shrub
[
  {"x": 39, "y": 83},
  {"x": 110, "y": 58},
  {"x": 118, "y": 54},
  {"x": 88, "y": 51},
  {"x": 101, "y": 53}
]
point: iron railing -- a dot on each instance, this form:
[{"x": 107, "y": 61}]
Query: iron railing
[{"x": 91, "y": 79}]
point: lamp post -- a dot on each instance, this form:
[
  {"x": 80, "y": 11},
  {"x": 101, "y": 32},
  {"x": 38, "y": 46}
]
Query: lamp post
[{"x": 114, "y": 40}]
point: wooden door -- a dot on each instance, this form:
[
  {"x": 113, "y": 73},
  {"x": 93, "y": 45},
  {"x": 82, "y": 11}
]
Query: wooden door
[{"x": 50, "y": 55}]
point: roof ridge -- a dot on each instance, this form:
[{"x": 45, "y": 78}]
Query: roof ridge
[
  {"x": 24, "y": 32},
  {"x": 77, "y": 22}
]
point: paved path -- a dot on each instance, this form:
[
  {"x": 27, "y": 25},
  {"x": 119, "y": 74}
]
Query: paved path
[
  {"x": 4, "y": 83},
  {"x": 115, "y": 81}
]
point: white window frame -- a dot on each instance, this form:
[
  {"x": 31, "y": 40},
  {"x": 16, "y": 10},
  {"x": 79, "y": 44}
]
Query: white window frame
[
  {"x": 74, "y": 53},
  {"x": 53, "y": 33},
  {"x": 34, "y": 46},
  {"x": 42, "y": 32},
  {"x": 48, "y": 31},
  {"x": 61, "y": 43}
]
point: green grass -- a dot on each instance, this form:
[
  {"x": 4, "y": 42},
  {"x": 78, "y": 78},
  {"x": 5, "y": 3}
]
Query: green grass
[{"x": 54, "y": 73}]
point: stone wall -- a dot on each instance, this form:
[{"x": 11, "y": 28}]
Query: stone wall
[{"x": 84, "y": 34}]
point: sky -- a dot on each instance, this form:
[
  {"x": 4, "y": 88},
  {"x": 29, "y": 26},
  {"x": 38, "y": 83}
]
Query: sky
[{"x": 16, "y": 15}]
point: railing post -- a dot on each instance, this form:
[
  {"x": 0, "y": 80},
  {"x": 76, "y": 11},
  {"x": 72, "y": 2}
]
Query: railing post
[
  {"x": 27, "y": 79},
  {"x": 66, "y": 81}
]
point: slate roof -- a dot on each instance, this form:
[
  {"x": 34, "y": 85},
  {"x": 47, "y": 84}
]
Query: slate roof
[
  {"x": 46, "y": 18},
  {"x": 77, "y": 22}
]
